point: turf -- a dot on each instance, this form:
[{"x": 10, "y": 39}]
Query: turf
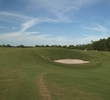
[{"x": 21, "y": 71}]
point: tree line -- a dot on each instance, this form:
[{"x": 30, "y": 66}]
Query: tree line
[{"x": 100, "y": 45}]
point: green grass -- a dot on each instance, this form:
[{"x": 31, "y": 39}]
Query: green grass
[{"x": 21, "y": 69}]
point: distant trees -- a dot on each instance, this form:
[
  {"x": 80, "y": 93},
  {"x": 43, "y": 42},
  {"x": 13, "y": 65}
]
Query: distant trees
[
  {"x": 108, "y": 44},
  {"x": 100, "y": 45},
  {"x": 71, "y": 46},
  {"x": 7, "y": 45},
  {"x": 21, "y": 46}
]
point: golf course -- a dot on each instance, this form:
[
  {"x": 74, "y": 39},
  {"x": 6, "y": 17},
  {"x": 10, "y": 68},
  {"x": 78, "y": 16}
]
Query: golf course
[{"x": 34, "y": 74}]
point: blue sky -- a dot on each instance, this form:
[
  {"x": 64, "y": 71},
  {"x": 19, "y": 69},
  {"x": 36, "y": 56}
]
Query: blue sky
[{"x": 62, "y": 22}]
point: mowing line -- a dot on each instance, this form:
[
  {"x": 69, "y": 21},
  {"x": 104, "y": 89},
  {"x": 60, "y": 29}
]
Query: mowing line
[{"x": 43, "y": 89}]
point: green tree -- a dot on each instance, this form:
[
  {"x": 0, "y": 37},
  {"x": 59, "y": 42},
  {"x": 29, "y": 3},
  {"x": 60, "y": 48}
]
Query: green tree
[
  {"x": 108, "y": 44},
  {"x": 71, "y": 46}
]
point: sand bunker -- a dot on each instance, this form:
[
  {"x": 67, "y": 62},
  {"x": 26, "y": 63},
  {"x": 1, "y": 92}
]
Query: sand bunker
[{"x": 71, "y": 61}]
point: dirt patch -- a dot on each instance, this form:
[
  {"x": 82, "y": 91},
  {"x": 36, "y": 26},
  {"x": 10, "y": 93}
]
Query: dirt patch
[
  {"x": 71, "y": 61},
  {"x": 43, "y": 89}
]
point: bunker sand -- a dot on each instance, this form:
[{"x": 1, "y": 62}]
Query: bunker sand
[{"x": 71, "y": 61}]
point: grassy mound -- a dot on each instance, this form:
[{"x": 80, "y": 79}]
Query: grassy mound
[{"x": 51, "y": 54}]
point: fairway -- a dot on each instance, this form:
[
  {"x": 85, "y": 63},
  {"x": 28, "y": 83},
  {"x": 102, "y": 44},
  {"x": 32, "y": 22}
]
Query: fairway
[{"x": 32, "y": 74}]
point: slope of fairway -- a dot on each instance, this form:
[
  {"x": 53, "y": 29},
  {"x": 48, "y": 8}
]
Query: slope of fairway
[
  {"x": 52, "y": 54},
  {"x": 32, "y": 74}
]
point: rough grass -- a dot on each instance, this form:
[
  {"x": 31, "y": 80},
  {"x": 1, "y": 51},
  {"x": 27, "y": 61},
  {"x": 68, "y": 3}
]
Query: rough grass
[{"x": 22, "y": 69}]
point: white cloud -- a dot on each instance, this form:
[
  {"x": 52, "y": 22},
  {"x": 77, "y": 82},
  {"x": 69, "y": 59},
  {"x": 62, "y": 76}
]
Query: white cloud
[
  {"x": 30, "y": 33},
  {"x": 97, "y": 27},
  {"x": 47, "y": 39},
  {"x": 23, "y": 35},
  {"x": 57, "y": 8},
  {"x": 29, "y": 24},
  {"x": 2, "y": 27},
  {"x": 60, "y": 8},
  {"x": 35, "y": 21},
  {"x": 59, "y": 5},
  {"x": 33, "y": 38},
  {"x": 96, "y": 32},
  {"x": 90, "y": 38},
  {"x": 13, "y": 28},
  {"x": 13, "y": 17}
]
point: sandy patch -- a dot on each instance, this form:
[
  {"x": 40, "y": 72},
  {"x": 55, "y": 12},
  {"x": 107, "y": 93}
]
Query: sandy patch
[
  {"x": 71, "y": 61},
  {"x": 43, "y": 89}
]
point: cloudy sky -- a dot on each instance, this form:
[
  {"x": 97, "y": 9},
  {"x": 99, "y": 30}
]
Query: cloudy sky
[{"x": 64, "y": 22}]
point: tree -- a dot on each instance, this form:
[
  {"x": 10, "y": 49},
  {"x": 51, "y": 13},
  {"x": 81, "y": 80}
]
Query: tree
[
  {"x": 8, "y": 45},
  {"x": 47, "y": 45},
  {"x": 3, "y": 45},
  {"x": 21, "y": 46},
  {"x": 108, "y": 44},
  {"x": 65, "y": 46},
  {"x": 71, "y": 46}
]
